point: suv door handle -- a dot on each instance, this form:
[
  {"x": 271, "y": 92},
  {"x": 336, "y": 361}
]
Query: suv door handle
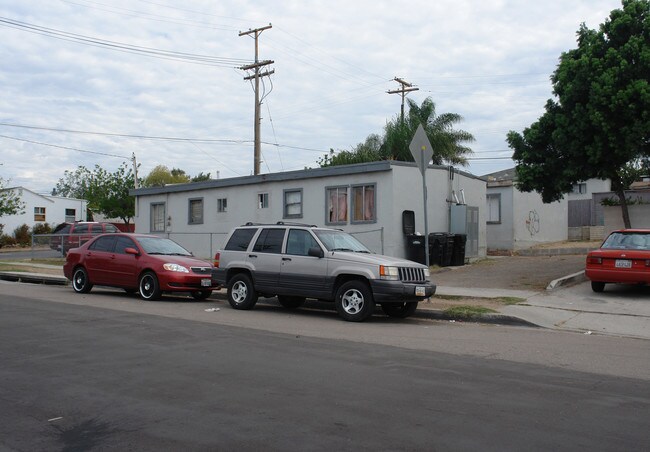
[
  {"x": 286, "y": 258},
  {"x": 252, "y": 255}
]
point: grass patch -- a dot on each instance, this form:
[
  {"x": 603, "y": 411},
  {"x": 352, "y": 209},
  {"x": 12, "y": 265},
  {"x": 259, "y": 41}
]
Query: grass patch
[
  {"x": 467, "y": 312},
  {"x": 502, "y": 300}
]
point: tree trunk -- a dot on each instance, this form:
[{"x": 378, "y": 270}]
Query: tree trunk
[{"x": 626, "y": 214}]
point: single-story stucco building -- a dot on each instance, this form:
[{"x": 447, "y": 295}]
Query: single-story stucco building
[{"x": 367, "y": 200}]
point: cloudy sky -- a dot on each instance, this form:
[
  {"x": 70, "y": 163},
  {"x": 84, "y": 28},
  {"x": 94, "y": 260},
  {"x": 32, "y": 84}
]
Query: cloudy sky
[{"x": 93, "y": 82}]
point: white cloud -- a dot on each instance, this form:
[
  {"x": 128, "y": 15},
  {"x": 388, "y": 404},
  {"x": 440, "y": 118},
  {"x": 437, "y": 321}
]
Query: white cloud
[{"x": 489, "y": 61}]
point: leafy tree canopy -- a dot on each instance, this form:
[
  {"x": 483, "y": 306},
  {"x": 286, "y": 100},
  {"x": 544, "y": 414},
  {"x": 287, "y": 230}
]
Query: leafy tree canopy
[
  {"x": 598, "y": 124},
  {"x": 449, "y": 145},
  {"x": 10, "y": 203},
  {"x": 107, "y": 193},
  {"x": 161, "y": 176}
]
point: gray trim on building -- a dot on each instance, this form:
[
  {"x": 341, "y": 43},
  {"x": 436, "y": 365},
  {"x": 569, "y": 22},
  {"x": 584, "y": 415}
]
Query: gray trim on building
[{"x": 311, "y": 173}]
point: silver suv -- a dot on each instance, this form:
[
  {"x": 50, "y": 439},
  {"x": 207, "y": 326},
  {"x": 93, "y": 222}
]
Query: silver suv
[{"x": 296, "y": 261}]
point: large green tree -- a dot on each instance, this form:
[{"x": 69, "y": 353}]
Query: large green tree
[
  {"x": 10, "y": 203},
  {"x": 449, "y": 144},
  {"x": 107, "y": 193},
  {"x": 598, "y": 124}
]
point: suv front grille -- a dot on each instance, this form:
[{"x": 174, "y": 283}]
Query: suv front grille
[
  {"x": 201, "y": 270},
  {"x": 411, "y": 274}
]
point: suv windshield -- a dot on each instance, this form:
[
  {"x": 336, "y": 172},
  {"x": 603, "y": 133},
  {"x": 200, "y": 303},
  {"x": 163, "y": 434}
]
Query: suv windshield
[{"x": 340, "y": 241}]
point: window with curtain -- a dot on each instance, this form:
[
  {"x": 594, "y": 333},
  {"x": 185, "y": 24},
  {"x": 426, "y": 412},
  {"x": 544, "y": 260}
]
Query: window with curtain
[
  {"x": 158, "y": 217},
  {"x": 337, "y": 205},
  {"x": 363, "y": 204}
]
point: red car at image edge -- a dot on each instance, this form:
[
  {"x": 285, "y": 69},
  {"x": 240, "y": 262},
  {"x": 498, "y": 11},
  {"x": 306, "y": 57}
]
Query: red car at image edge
[
  {"x": 148, "y": 264},
  {"x": 623, "y": 258}
]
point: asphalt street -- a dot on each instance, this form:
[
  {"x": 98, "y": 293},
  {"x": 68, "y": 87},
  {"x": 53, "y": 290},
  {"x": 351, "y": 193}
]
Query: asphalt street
[{"x": 130, "y": 376}]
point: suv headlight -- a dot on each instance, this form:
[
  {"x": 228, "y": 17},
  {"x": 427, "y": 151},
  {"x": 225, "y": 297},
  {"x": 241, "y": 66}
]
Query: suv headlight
[
  {"x": 390, "y": 273},
  {"x": 427, "y": 273},
  {"x": 175, "y": 268}
]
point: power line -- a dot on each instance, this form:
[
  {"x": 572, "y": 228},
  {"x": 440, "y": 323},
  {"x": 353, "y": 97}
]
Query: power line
[
  {"x": 121, "y": 47},
  {"x": 124, "y": 135},
  {"x": 66, "y": 147}
]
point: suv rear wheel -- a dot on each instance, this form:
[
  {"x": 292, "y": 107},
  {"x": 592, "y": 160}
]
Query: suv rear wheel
[
  {"x": 241, "y": 294},
  {"x": 354, "y": 301}
]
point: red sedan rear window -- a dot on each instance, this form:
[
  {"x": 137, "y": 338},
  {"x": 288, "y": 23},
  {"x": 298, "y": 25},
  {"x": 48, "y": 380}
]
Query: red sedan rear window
[{"x": 627, "y": 241}]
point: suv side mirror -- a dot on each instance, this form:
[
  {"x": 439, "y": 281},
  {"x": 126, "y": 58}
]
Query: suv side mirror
[{"x": 315, "y": 251}]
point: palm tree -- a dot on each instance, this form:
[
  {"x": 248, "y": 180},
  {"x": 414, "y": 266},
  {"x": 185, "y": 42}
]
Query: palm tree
[{"x": 448, "y": 144}]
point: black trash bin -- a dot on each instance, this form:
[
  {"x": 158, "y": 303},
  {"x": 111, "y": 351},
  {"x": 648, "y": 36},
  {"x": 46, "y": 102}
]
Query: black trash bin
[
  {"x": 415, "y": 248},
  {"x": 441, "y": 246},
  {"x": 458, "y": 254}
]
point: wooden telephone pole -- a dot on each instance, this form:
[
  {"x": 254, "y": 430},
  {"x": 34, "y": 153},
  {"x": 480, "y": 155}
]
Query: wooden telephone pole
[
  {"x": 406, "y": 88},
  {"x": 256, "y": 76}
]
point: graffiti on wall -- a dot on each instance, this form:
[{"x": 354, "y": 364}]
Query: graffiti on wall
[{"x": 532, "y": 223}]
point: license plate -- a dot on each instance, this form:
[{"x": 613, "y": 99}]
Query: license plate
[
  {"x": 623, "y": 263},
  {"x": 420, "y": 291},
  {"x": 206, "y": 282}
]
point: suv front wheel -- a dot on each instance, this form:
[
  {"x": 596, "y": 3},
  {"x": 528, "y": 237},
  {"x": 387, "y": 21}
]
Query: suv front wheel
[
  {"x": 241, "y": 294},
  {"x": 354, "y": 301}
]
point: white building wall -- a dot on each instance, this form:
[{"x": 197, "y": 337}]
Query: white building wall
[
  {"x": 535, "y": 222},
  {"x": 55, "y": 208}
]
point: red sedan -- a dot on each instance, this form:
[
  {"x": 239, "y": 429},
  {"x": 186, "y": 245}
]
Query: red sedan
[
  {"x": 624, "y": 257},
  {"x": 147, "y": 264}
]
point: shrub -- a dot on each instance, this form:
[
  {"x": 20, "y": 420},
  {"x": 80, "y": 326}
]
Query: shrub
[
  {"x": 41, "y": 228},
  {"x": 23, "y": 235},
  {"x": 6, "y": 240}
]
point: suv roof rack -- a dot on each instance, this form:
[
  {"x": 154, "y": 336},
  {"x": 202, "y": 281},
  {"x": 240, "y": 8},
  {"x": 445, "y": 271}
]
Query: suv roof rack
[{"x": 281, "y": 223}]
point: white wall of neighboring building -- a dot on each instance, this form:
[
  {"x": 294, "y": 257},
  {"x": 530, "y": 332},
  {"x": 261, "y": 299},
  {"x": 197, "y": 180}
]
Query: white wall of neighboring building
[
  {"x": 535, "y": 222},
  {"x": 55, "y": 210},
  {"x": 591, "y": 186}
]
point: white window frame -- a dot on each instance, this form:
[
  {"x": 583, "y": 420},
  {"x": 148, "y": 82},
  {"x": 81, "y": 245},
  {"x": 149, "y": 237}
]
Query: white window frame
[{"x": 493, "y": 208}]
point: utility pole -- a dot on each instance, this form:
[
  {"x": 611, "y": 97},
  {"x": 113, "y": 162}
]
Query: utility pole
[
  {"x": 256, "y": 76},
  {"x": 406, "y": 88},
  {"x": 136, "y": 184}
]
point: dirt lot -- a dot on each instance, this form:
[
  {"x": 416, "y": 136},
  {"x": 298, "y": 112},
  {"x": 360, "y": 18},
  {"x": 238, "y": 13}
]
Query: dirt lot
[{"x": 511, "y": 272}]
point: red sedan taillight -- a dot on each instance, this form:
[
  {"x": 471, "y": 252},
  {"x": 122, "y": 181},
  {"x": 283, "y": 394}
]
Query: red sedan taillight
[
  {"x": 216, "y": 260},
  {"x": 594, "y": 260}
]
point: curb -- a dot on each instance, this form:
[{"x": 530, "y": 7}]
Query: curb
[
  {"x": 34, "y": 278},
  {"x": 493, "y": 319},
  {"x": 566, "y": 280}
]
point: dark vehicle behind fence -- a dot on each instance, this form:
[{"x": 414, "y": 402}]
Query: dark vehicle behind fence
[{"x": 72, "y": 235}]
